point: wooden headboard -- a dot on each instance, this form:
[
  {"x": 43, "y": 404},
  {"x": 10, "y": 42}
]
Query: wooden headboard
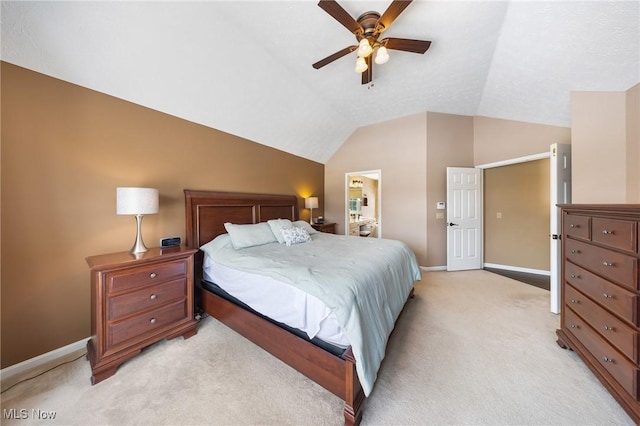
[{"x": 207, "y": 212}]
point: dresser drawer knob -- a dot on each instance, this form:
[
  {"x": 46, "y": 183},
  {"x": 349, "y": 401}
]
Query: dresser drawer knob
[
  {"x": 575, "y": 251},
  {"x": 605, "y": 263},
  {"x": 574, "y": 301},
  {"x": 607, "y": 359},
  {"x": 607, "y": 328},
  {"x": 575, "y": 276},
  {"x": 574, "y": 226},
  {"x": 605, "y": 232},
  {"x": 153, "y": 275},
  {"x": 153, "y": 320},
  {"x": 607, "y": 296},
  {"x": 573, "y": 326},
  {"x": 153, "y": 297}
]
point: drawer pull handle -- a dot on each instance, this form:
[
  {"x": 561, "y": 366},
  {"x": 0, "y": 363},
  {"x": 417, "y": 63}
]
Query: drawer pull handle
[
  {"x": 575, "y": 251},
  {"x": 607, "y": 359},
  {"x": 153, "y": 320},
  {"x": 573, "y": 326},
  {"x": 607, "y": 296},
  {"x": 153, "y": 297},
  {"x": 575, "y": 276},
  {"x": 153, "y": 275},
  {"x": 607, "y": 328},
  {"x": 574, "y": 301},
  {"x": 574, "y": 226},
  {"x": 605, "y": 232},
  {"x": 605, "y": 263}
]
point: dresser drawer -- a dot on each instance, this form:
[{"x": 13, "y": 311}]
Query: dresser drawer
[
  {"x": 611, "y": 328},
  {"x": 577, "y": 226},
  {"x": 624, "y": 303},
  {"x": 615, "y": 266},
  {"x": 623, "y": 371},
  {"x": 149, "y": 274},
  {"x": 147, "y": 298},
  {"x": 621, "y": 234},
  {"x": 139, "y": 326}
]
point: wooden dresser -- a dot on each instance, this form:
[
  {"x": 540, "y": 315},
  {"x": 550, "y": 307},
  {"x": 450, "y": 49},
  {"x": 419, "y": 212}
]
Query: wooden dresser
[
  {"x": 600, "y": 317},
  {"x": 137, "y": 301}
]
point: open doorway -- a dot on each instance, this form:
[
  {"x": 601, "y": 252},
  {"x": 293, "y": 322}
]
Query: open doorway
[{"x": 363, "y": 203}]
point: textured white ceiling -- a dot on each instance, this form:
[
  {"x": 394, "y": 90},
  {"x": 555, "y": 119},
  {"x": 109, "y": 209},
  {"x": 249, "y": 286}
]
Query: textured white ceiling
[{"x": 244, "y": 67}]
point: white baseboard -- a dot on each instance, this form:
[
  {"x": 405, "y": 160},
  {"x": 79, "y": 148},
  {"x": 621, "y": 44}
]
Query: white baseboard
[
  {"x": 433, "y": 268},
  {"x": 518, "y": 269},
  {"x": 13, "y": 374}
]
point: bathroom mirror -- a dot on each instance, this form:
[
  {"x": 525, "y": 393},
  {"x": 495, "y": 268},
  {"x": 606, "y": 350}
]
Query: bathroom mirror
[{"x": 363, "y": 197}]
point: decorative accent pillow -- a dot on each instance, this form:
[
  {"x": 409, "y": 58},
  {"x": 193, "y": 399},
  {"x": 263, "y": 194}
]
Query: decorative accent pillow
[
  {"x": 277, "y": 225},
  {"x": 295, "y": 235},
  {"x": 307, "y": 227},
  {"x": 256, "y": 234}
]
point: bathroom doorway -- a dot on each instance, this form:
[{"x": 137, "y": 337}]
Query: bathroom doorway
[{"x": 363, "y": 203}]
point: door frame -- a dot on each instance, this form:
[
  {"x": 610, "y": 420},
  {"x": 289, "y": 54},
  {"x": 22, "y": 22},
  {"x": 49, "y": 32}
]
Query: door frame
[
  {"x": 347, "y": 179},
  {"x": 525, "y": 159}
]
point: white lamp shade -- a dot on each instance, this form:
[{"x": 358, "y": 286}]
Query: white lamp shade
[
  {"x": 361, "y": 65},
  {"x": 382, "y": 56},
  {"x": 311, "y": 203},
  {"x": 136, "y": 200}
]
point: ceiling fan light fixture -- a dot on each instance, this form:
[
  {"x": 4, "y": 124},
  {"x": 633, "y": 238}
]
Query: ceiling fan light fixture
[
  {"x": 364, "y": 48},
  {"x": 361, "y": 65},
  {"x": 382, "y": 56}
]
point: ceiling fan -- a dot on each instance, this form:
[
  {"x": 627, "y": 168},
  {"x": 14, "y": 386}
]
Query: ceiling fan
[{"x": 368, "y": 28}]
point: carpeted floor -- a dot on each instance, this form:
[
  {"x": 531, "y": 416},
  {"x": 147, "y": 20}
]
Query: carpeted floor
[{"x": 472, "y": 348}]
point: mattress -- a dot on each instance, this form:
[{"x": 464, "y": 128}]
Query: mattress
[{"x": 265, "y": 295}]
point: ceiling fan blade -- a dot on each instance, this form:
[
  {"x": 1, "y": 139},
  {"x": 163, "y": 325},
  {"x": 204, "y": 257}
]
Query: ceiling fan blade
[
  {"x": 341, "y": 15},
  {"x": 406, "y": 44},
  {"x": 333, "y": 57},
  {"x": 367, "y": 75},
  {"x": 393, "y": 11}
]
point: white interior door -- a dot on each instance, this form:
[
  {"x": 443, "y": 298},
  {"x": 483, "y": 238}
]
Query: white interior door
[
  {"x": 464, "y": 218},
  {"x": 560, "y": 169}
]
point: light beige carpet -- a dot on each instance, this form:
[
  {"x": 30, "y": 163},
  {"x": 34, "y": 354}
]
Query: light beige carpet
[{"x": 472, "y": 348}]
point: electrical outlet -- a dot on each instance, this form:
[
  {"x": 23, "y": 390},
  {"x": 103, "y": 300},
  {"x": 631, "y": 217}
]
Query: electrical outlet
[{"x": 439, "y": 215}]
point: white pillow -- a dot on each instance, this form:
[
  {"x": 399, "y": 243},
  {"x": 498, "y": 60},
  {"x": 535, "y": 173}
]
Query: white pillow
[
  {"x": 277, "y": 225},
  {"x": 307, "y": 227},
  {"x": 295, "y": 235},
  {"x": 216, "y": 244},
  {"x": 256, "y": 234}
]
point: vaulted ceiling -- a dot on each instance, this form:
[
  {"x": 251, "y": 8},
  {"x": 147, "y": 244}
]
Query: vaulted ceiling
[{"x": 244, "y": 67}]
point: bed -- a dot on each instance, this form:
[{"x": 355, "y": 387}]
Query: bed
[{"x": 332, "y": 367}]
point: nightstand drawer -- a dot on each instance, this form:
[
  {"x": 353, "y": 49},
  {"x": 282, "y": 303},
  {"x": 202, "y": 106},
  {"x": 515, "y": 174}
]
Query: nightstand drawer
[
  {"x": 624, "y": 303},
  {"x": 624, "y": 372},
  {"x": 612, "y": 329},
  {"x": 615, "y": 233},
  {"x": 130, "y": 303},
  {"x": 149, "y": 274},
  {"x": 146, "y": 323},
  {"x": 615, "y": 266},
  {"x": 577, "y": 226}
]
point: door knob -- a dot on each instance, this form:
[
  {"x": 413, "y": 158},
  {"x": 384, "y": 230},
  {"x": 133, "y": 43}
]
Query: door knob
[{"x": 452, "y": 224}]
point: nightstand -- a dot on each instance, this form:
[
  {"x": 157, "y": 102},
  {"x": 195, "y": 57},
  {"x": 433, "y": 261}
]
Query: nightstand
[
  {"x": 329, "y": 228},
  {"x": 138, "y": 300}
]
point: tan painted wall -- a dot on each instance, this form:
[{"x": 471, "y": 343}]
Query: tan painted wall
[
  {"x": 497, "y": 140},
  {"x": 633, "y": 144},
  {"x": 65, "y": 149},
  {"x": 520, "y": 193},
  {"x": 449, "y": 144},
  {"x": 413, "y": 153},
  {"x": 397, "y": 148},
  {"x": 599, "y": 154}
]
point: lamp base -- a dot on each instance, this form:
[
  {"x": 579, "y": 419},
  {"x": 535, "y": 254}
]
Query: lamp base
[{"x": 138, "y": 246}]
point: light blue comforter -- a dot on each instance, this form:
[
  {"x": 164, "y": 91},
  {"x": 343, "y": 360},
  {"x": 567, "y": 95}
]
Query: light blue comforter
[{"x": 364, "y": 281}]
